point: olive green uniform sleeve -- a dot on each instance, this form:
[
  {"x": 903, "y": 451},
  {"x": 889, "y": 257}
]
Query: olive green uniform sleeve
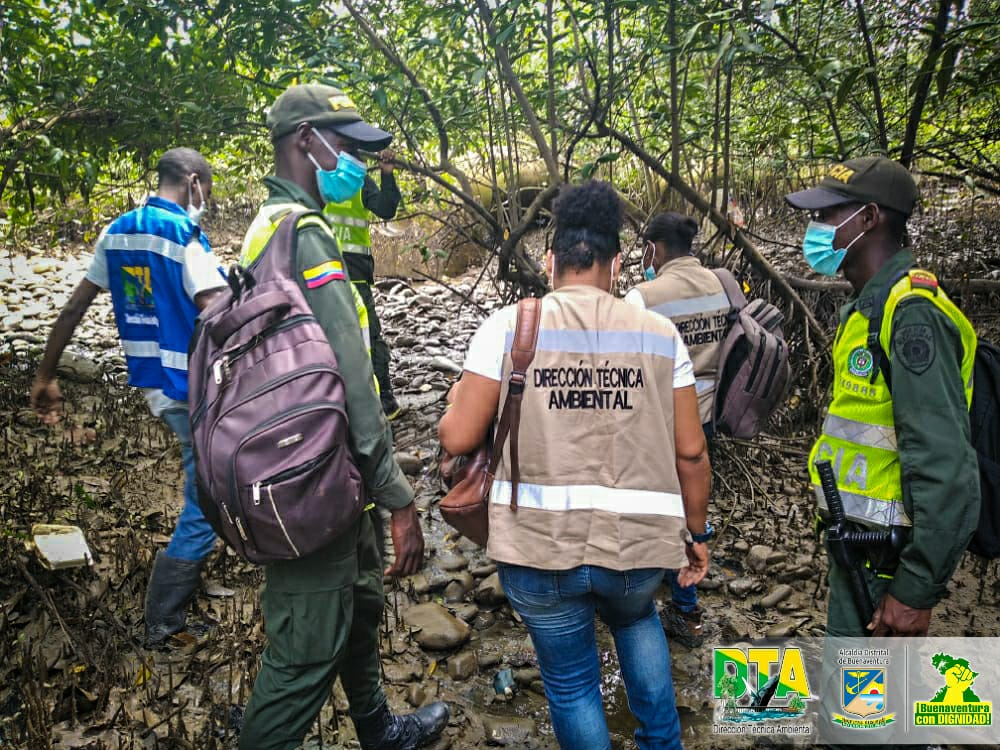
[
  {"x": 383, "y": 203},
  {"x": 940, "y": 473},
  {"x": 371, "y": 438}
]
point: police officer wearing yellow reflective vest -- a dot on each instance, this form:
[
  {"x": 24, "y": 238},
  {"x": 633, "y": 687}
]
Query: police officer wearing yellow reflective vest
[
  {"x": 900, "y": 450},
  {"x": 322, "y": 612},
  {"x": 348, "y": 216}
]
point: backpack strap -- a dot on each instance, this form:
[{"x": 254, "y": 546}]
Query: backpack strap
[
  {"x": 522, "y": 353},
  {"x": 880, "y": 362},
  {"x": 737, "y": 300}
]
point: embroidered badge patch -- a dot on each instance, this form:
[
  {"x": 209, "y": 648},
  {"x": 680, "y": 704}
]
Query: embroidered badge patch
[
  {"x": 332, "y": 270},
  {"x": 860, "y": 362},
  {"x": 923, "y": 280},
  {"x": 914, "y": 346}
]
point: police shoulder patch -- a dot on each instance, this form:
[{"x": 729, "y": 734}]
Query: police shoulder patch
[
  {"x": 860, "y": 362},
  {"x": 923, "y": 280},
  {"x": 914, "y": 347}
]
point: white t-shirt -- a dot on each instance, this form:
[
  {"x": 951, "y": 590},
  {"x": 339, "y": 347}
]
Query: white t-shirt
[
  {"x": 201, "y": 273},
  {"x": 486, "y": 349}
]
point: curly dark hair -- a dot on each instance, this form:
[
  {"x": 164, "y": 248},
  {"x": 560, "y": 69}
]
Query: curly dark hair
[
  {"x": 588, "y": 219},
  {"x": 675, "y": 231}
]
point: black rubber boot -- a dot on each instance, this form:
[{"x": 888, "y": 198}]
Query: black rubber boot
[
  {"x": 384, "y": 730},
  {"x": 171, "y": 586}
]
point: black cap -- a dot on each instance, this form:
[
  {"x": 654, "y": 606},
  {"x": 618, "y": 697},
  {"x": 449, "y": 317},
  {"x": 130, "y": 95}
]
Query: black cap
[
  {"x": 870, "y": 179},
  {"x": 323, "y": 107}
]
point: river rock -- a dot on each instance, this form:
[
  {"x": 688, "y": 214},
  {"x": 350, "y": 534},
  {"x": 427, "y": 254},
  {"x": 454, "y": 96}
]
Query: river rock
[
  {"x": 78, "y": 368},
  {"x": 778, "y": 594},
  {"x": 782, "y": 629},
  {"x": 416, "y": 694},
  {"x": 466, "y": 612},
  {"x": 490, "y": 592},
  {"x": 454, "y": 592},
  {"x": 524, "y": 677},
  {"x": 443, "y": 364},
  {"x": 439, "y": 629},
  {"x": 758, "y": 556},
  {"x": 410, "y": 463},
  {"x": 508, "y": 730},
  {"x": 741, "y": 587},
  {"x": 481, "y": 571},
  {"x": 462, "y": 665},
  {"x": 451, "y": 562}
]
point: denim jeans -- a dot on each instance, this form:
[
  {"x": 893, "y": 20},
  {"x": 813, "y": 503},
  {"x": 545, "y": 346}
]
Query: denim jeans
[
  {"x": 193, "y": 538},
  {"x": 558, "y": 607},
  {"x": 685, "y": 598}
]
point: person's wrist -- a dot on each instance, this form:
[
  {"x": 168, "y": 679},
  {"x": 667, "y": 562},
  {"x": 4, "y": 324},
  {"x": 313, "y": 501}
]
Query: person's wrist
[{"x": 701, "y": 536}]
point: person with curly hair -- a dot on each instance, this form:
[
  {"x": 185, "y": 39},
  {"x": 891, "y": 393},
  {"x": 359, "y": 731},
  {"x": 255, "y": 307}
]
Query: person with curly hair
[{"x": 614, "y": 476}]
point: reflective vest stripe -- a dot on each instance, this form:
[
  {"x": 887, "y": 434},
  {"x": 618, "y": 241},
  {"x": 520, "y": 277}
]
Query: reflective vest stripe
[
  {"x": 148, "y": 242},
  {"x": 152, "y": 350},
  {"x": 346, "y": 219},
  {"x": 868, "y": 510},
  {"x": 871, "y": 435},
  {"x": 589, "y": 497},
  {"x": 692, "y": 306},
  {"x": 601, "y": 342},
  {"x": 349, "y": 222}
]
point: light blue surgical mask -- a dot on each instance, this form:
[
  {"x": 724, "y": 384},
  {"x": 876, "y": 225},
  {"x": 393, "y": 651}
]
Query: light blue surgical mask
[
  {"x": 648, "y": 272},
  {"x": 338, "y": 184},
  {"x": 817, "y": 246}
]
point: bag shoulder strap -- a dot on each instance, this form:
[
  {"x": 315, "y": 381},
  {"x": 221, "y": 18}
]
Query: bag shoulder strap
[
  {"x": 737, "y": 300},
  {"x": 522, "y": 352},
  {"x": 880, "y": 362}
]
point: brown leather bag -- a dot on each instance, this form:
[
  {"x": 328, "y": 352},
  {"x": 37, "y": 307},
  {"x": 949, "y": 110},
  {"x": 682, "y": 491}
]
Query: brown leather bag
[{"x": 469, "y": 477}]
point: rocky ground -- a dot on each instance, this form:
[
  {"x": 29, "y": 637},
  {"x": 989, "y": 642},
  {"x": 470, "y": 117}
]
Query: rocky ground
[{"x": 73, "y": 673}]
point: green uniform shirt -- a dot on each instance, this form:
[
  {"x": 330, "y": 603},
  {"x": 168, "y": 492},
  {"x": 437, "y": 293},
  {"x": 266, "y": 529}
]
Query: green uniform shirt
[
  {"x": 333, "y": 305},
  {"x": 940, "y": 473}
]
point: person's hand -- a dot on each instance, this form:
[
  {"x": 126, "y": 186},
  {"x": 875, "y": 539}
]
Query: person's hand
[
  {"x": 385, "y": 161},
  {"x": 697, "y": 567},
  {"x": 407, "y": 541},
  {"x": 46, "y": 400},
  {"x": 892, "y": 617}
]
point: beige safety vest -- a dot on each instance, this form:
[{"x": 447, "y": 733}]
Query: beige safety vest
[
  {"x": 598, "y": 477},
  {"x": 693, "y": 298}
]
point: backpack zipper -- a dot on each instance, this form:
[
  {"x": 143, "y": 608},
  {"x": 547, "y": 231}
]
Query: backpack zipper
[
  {"x": 281, "y": 523},
  {"x": 233, "y": 488},
  {"x": 221, "y": 367}
]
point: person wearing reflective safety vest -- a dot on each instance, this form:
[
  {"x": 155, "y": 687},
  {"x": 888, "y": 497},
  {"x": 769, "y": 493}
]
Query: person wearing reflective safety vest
[
  {"x": 902, "y": 456},
  {"x": 677, "y": 286},
  {"x": 264, "y": 226},
  {"x": 322, "y": 612},
  {"x": 349, "y": 221}
]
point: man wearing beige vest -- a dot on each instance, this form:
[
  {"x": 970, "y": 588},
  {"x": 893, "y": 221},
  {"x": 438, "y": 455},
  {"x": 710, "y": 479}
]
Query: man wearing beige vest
[{"x": 679, "y": 287}]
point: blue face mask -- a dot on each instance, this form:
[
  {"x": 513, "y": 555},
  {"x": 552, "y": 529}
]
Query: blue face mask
[
  {"x": 648, "y": 272},
  {"x": 817, "y": 246},
  {"x": 338, "y": 184}
]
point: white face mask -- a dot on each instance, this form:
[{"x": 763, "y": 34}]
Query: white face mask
[{"x": 195, "y": 214}]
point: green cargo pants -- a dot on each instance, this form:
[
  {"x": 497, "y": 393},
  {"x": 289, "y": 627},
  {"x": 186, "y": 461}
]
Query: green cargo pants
[
  {"x": 844, "y": 621},
  {"x": 321, "y": 616}
]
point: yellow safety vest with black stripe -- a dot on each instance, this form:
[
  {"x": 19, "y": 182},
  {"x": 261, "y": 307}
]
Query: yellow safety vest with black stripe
[
  {"x": 266, "y": 223},
  {"x": 859, "y": 434},
  {"x": 349, "y": 222}
]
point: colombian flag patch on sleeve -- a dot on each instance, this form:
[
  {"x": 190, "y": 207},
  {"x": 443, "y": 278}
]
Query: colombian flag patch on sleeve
[{"x": 332, "y": 270}]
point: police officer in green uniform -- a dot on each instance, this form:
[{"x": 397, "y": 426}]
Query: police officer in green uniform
[
  {"x": 901, "y": 450},
  {"x": 322, "y": 612},
  {"x": 349, "y": 220}
]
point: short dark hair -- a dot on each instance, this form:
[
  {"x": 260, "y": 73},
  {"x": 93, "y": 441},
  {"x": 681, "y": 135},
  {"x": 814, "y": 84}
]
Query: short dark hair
[
  {"x": 176, "y": 164},
  {"x": 588, "y": 218},
  {"x": 675, "y": 231}
]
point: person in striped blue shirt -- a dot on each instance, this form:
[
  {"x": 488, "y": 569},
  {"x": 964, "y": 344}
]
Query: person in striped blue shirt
[{"x": 160, "y": 270}]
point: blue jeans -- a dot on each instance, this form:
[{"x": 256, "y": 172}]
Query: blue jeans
[
  {"x": 685, "y": 598},
  {"x": 558, "y": 607},
  {"x": 193, "y": 538}
]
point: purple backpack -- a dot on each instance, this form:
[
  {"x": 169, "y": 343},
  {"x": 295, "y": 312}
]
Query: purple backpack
[
  {"x": 276, "y": 478},
  {"x": 754, "y": 371}
]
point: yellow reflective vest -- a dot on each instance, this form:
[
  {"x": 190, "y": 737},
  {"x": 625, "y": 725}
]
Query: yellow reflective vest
[
  {"x": 266, "y": 223},
  {"x": 859, "y": 434},
  {"x": 349, "y": 221}
]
